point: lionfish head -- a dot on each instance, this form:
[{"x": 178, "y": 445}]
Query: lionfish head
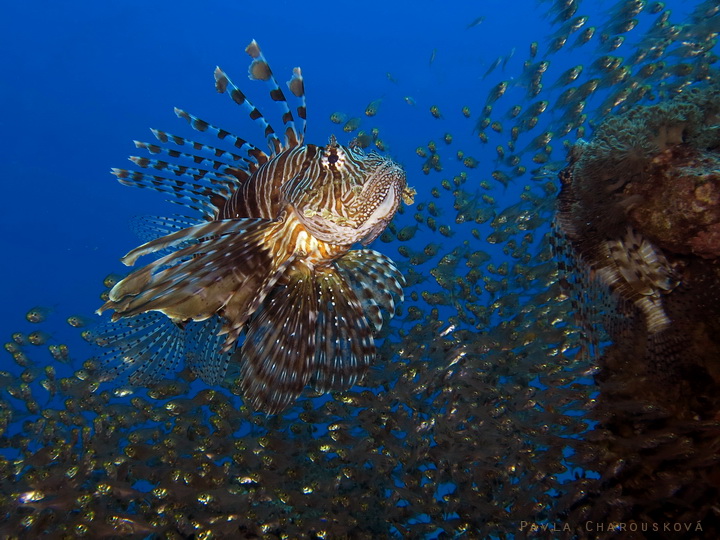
[{"x": 345, "y": 195}]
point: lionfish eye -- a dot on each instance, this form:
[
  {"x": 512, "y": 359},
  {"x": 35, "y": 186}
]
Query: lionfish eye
[{"x": 333, "y": 156}]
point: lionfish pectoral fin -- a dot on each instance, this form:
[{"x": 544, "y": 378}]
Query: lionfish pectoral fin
[
  {"x": 246, "y": 301},
  {"x": 217, "y": 263},
  {"x": 194, "y": 235},
  {"x": 344, "y": 345},
  {"x": 376, "y": 281},
  {"x": 280, "y": 343}
]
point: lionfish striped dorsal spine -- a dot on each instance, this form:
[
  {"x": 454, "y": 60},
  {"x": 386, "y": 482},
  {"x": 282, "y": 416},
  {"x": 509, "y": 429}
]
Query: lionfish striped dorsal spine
[
  {"x": 269, "y": 260},
  {"x": 260, "y": 70}
]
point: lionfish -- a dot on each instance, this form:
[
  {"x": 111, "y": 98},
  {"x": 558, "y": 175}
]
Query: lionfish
[{"x": 271, "y": 258}]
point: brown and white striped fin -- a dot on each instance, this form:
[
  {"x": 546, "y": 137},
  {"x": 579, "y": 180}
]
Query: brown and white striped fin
[
  {"x": 222, "y": 83},
  {"x": 260, "y": 70},
  {"x": 234, "y": 249},
  {"x": 376, "y": 280},
  {"x": 296, "y": 85},
  {"x": 638, "y": 273},
  {"x": 344, "y": 345},
  {"x": 236, "y": 313},
  {"x": 207, "y": 153},
  {"x": 200, "y": 177},
  {"x": 198, "y": 153},
  {"x": 148, "y": 347},
  {"x": 214, "y": 229},
  {"x": 277, "y": 354},
  {"x": 205, "y": 200},
  {"x": 220, "y": 176},
  {"x": 201, "y": 125}
]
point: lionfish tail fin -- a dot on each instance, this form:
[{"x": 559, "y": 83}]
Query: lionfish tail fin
[
  {"x": 184, "y": 285},
  {"x": 279, "y": 346}
]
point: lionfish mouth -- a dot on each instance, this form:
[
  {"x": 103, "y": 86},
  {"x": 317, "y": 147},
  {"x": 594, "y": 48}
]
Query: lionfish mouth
[
  {"x": 387, "y": 180},
  {"x": 388, "y": 206},
  {"x": 380, "y": 199}
]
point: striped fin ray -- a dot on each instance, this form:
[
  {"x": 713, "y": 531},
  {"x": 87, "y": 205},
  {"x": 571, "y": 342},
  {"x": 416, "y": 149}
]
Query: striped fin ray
[
  {"x": 203, "y": 342},
  {"x": 215, "y": 168},
  {"x": 208, "y": 154},
  {"x": 201, "y": 179},
  {"x": 238, "y": 313},
  {"x": 144, "y": 348},
  {"x": 193, "y": 234},
  {"x": 297, "y": 87},
  {"x": 222, "y": 82},
  {"x": 185, "y": 284},
  {"x": 376, "y": 282},
  {"x": 205, "y": 201},
  {"x": 260, "y": 70},
  {"x": 207, "y": 177},
  {"x": 344, "y": 345},
  {"x": 202, "y": 126},
  {"x": 149, "y": 228},
  {"x": 277, "y": 355}
]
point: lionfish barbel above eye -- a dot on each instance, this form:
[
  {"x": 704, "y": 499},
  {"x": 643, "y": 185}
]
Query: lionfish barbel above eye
[{"x": 271, "y": 256}]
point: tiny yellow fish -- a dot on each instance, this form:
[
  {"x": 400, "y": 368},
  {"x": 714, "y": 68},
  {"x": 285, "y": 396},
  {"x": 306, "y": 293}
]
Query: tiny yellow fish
[
  {"x": 78, "y": 321},
  {"x": 351, "y": 125},
  {"x": 37, "y": 314},
  {"x": 372, "y": 108},
  {"x": 338, "y": 118},
  {"x": 111, "y": 280},
  {"x": 38, "y": 337}
]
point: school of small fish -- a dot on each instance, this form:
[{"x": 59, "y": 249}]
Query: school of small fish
[{"x": 560, "y": 390}]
